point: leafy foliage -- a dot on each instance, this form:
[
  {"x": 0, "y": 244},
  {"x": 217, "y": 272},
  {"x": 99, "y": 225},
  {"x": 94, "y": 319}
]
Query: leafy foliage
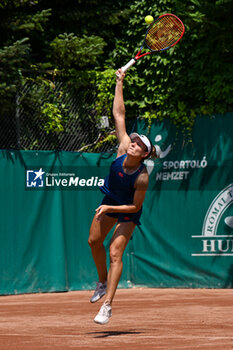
[
  {"x": 53, "y": 118},
  {"x": 85, "y": 41},
  {"x": 16, "y": 3},
  {"x": 31, "y": 23},
  {"x": 12, "y": 59},
  {"x": 195, "y": 77},
  {"x": 105, "y": 88},
  {"x": 70, "y": 51}
]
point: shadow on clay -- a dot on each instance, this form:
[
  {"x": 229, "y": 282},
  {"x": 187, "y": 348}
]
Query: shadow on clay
[{"x": 106, "y": 334}]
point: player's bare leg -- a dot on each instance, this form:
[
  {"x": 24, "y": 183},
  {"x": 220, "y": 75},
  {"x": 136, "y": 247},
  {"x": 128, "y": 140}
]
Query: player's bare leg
[
  {"x": 119, "y": 241},
  {"x": 118, "y": 244},
  {"x": 98, "y": 232}
]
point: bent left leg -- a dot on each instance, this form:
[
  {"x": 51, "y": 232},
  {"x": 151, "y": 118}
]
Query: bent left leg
[{"x": 119, "y": 241}]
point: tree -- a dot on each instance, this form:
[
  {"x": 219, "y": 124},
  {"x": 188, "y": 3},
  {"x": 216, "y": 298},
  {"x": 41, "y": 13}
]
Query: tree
[
  {"x": 12, "y": 59},
  {"x": 195, "y": 77},
  {"x": 85, "y": 41},
  {"x": 69, "y": 51}
]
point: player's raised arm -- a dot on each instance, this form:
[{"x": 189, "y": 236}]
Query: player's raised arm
[{"x": 119, "y": 114}]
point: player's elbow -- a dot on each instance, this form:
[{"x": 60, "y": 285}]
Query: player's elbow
[
  {"x": 136, "y": 207},
  {"x": 119, "y": 114}
]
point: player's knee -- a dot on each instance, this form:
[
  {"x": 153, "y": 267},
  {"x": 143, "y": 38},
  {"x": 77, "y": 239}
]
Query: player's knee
[
  {"x": 115, "y": 255},
  {"x": 93, "y": 241}
]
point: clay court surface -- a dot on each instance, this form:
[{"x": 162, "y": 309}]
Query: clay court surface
[{"x": 142, "y": 319}]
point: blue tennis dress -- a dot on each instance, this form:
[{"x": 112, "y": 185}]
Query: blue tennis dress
[{"x": 119, "y": 189}]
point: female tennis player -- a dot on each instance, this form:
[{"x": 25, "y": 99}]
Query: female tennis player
[{"x": 124, "y": 188}]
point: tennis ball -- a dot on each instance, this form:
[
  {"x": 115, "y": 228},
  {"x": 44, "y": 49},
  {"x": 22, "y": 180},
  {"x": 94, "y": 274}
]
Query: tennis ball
[{"x": 149, "y": 19}]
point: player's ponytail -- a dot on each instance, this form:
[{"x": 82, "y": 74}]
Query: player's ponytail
[{"x": 153, "y": 153}]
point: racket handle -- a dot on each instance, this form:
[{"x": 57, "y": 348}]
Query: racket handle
[{"x": 128, "y": 65}]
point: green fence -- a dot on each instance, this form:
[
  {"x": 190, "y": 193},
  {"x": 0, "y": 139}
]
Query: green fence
[{"x": 48, "y": 200}]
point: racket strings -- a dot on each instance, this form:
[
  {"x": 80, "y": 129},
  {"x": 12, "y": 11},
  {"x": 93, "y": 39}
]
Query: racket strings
[{"x": 164, "y": 33}]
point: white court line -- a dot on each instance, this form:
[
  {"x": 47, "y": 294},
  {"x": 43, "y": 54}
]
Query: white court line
[
  {"x": 210, "y": 254},
  {"x": 216, "y": 236}
]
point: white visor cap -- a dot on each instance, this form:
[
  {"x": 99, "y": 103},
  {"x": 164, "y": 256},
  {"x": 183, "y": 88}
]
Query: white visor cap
[{"x": 144, "y": 139}]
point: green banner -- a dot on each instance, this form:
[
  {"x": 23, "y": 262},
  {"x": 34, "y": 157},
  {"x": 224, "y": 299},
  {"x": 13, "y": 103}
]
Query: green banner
[
  {"x": 187, "y": 231},
  {"x": 48, "y": 200}
]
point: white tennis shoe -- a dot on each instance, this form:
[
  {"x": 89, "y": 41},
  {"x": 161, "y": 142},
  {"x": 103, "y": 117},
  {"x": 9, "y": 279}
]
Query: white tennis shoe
[
  {"x": 99, "y": 292},
  {"x": 104, "y": 314}
]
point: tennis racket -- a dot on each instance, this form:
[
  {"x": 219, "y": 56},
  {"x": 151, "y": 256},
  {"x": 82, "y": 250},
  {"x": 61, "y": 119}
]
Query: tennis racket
[{"x": 164, "y": 32}]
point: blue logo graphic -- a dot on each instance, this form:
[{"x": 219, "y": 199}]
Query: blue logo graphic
[{"x": 35, "y": 178}]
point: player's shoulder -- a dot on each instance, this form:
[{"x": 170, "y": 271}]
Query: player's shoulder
[
  {"x": 144, "y": 173},
  {"x": 123, "y": 145},
  {"x": 142, "y": 180}
]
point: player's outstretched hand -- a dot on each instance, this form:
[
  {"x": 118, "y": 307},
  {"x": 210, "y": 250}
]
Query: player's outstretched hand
[{"x": 120, "y": 75}]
